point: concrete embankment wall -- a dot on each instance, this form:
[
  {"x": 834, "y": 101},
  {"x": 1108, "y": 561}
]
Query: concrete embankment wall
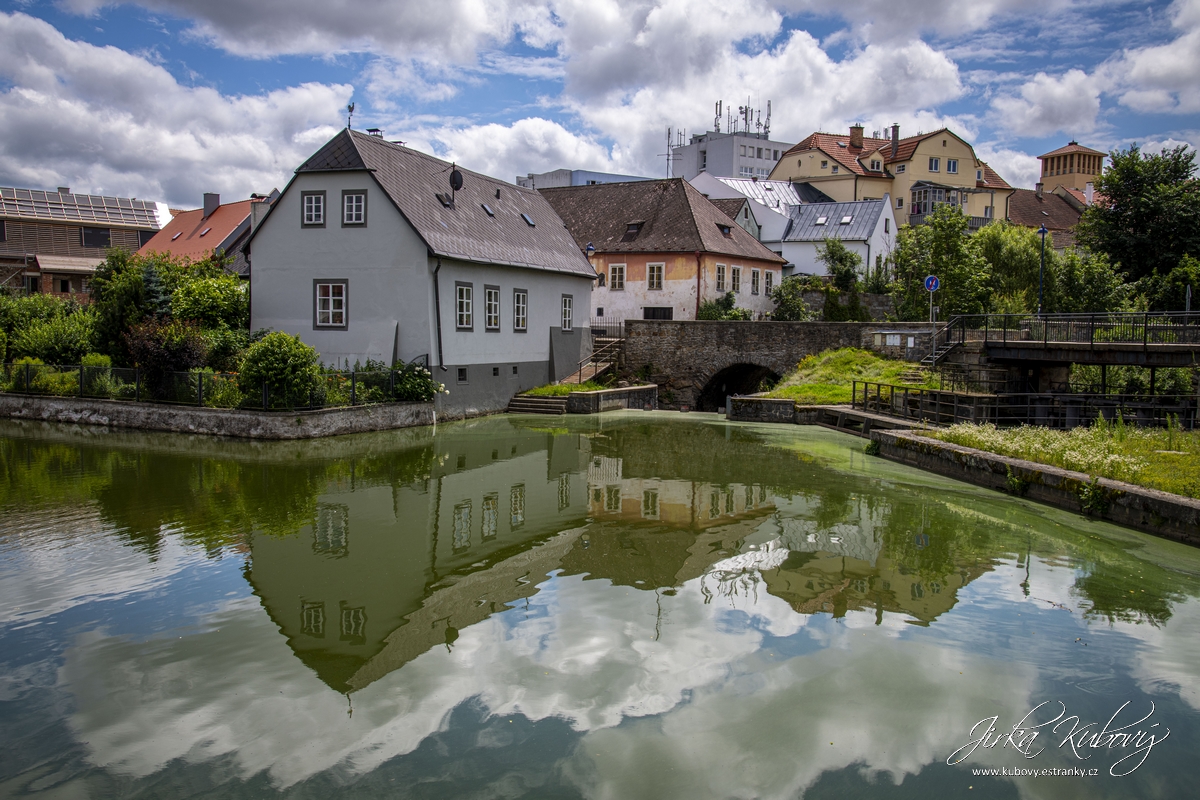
[
  {"x": 218, "y": 421},
  {"x": 1149, "y": 510},
  {"x": 638, "y": 397}
]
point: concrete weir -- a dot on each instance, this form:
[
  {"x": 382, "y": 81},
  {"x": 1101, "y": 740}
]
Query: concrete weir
[{"x": 218, "y": 421}]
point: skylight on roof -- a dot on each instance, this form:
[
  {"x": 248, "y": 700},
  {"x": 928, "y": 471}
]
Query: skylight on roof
[
  {"x": 846, "y": 219},
  {"x": 177, "y": 235},
  {"x": 488, "y": 209},
  {"x": 822, "y": 220},
  {"x": 843, "y": 144},
  {"x": 206, "y": 230},
  {"x": 528, "y": 220}
]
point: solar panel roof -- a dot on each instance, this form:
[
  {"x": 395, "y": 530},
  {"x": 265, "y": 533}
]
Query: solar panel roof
[{"x": 82, "y": 208}]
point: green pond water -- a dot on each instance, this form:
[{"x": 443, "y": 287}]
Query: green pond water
[{"x": 633, "y": 605}]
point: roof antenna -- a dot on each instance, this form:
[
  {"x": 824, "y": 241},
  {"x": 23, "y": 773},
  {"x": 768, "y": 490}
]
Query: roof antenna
[
  {"x": 349, "y": 114},
  {"x": 456, "y": 182}
]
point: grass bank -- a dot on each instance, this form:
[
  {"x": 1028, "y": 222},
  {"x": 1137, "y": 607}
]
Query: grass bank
[
  {"x": 564, "y": 389},
  {"x": 1157, "y": 458},
  {"x": 827, "y": 378}
]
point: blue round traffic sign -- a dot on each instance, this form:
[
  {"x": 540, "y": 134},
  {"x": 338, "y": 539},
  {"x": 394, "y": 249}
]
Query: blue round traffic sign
[{"x": 932, "y": 283}]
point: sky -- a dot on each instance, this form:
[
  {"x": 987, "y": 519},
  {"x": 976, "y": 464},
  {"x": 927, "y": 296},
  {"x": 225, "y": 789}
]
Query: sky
[{"x": 166, "y": 99}]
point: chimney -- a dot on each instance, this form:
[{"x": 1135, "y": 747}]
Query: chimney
[
  {"x": 1088, "y": 192},
  {"x": 856, "y": 136},
  {"x": 895, "y": 138},
  {"x": 64, "y": 190},
  {"x": 258, "y": 210},
  {"x": 1037, "y": 189},
  {"x": 212, "y": 201}
]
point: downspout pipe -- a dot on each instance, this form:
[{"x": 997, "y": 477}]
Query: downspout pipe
[
  {"x": 699, "y": 272},
  {"x": 437, "y": 310}
]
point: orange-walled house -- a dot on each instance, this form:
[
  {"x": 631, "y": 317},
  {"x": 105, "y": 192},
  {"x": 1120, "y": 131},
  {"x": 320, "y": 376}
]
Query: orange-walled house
[{"x": 661, "y": 248}]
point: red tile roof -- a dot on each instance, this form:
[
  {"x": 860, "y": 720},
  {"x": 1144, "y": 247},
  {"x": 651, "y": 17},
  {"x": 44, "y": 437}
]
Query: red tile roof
[
  {"x": 1073, "y": 147},
  {"x": 192, "y": 235},
  {"x": 1027, "y": 209},
  {"x": 991, "y": 180},
  {"x": 832, "y": 145}
]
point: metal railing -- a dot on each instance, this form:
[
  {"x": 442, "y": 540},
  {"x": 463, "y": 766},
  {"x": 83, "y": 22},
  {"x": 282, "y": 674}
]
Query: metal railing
[
  {"x": 605, "y": 354},
  {"x": 1145, "y": 328},
  {"x": 1059, "y": 410},
  {"x": 607, "y": 327},
  {"x": 206, "y": 388}
]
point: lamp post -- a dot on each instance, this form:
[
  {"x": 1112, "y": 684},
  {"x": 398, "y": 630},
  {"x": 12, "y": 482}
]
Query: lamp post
[{"x": 1042, "y": 271}]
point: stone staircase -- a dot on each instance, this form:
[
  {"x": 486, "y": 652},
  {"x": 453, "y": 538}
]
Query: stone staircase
[{"x": 524, "y": 404}]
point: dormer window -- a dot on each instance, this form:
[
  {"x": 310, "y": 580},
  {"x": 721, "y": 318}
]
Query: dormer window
[
  {"x": 979, "y": 175},
  {"x": 725, "y": 229},
  {"x": 876, "y": 166},
  {"x": 632, "y": 229},
  {"x": 529, "y": 220}
]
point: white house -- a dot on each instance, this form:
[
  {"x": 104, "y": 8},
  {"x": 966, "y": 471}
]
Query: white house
[
  {"x": 370, "y": 253},
  {"x": 866, "y": 227}
]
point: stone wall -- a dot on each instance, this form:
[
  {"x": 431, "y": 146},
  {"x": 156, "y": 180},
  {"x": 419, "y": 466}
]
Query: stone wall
[
  {"x": 760, "y": 409},
  {"x": 638, "y": 397},
  {"x": 682, "y": 356},
  {"x": 218, "y": 421},
  {"x": 879, "y": 306},
  {"x": 1159, "y": 513}
]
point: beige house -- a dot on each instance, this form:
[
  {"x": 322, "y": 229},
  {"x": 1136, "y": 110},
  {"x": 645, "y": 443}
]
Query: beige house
[{"x": 919, "y": 172}]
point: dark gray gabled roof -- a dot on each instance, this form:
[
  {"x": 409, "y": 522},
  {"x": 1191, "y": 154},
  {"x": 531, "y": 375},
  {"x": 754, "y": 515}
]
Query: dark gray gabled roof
[
  {"x": 804, "y": 222},
  {"x": 466, "y": 230}
]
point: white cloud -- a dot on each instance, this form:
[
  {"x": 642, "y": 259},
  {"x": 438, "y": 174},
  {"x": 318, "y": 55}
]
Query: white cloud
[
  {"x": 1018, "y": 168},
  {"x": 881, "y": 19},
  {"x": 1162, "y": 78},
  {"x": 1048, "y": 104},
  {"x": 104, "y": 121}
]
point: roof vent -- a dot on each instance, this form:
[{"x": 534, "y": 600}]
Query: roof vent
[
  {"x": 528, "y": 220},
  {"x": 488, "y": 209},
  {"x": 376, "y": 132}
]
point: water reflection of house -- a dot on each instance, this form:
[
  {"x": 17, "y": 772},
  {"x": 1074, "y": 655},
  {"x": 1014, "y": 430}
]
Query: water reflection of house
[{"x": 375, "y": 554}]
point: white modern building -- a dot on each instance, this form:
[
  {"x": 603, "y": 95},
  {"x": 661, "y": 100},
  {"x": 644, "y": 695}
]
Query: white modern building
[
  {"x": 727, "y": 155},
  {"x": 370, "y": 253},
  {"x": 572, "y": 177}
]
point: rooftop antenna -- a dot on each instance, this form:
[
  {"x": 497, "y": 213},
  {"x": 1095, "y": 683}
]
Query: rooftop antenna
[
  {"x": 717, "y": 119},
  {"x": 456, "y": 182},
  {"x": 767, "y": 124},
  {"x": 758, "y": 122},
  {"x": 349, "y": 114},
  {"x": 668, "y": 154}
]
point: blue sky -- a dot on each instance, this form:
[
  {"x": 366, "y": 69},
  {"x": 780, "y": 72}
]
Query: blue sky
[{"x": 166, "y": 99}]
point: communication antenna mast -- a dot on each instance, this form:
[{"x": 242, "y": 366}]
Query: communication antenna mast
[
  {"x": 767, "y": 124},
  {"x": 758, "y": 123},
  {"x": 668, "y": 155},
  {"x": 717, "y": 119}
]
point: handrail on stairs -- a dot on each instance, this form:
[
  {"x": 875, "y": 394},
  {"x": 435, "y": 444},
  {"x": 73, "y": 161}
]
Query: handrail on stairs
[
  {"x": 943, "y": 339},
  {"x": 606, "y": 350}
]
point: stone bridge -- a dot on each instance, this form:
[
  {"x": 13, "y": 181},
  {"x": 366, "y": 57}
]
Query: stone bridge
[{"x": 698, "y": 363}]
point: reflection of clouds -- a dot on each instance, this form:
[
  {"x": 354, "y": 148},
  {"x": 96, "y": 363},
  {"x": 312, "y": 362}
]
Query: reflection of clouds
[
  {"x": 88, "y": 565},
  {"x": 889, "y": 705},
  {"x": 588, "y": 653},
  {"x": 1168, "y": 661},
  {"x": 738, "y": 575}
]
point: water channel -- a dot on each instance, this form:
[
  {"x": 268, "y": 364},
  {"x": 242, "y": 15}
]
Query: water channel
[{"x": 630, "y": 605}]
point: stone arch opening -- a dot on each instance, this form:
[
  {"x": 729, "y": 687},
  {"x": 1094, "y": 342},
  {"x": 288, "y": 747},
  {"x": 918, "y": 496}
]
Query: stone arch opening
[{"x": 734, "y": 379}]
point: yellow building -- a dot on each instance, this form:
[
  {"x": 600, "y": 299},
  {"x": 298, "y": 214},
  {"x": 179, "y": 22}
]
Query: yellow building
[
  {"x": 1073, "y": 167},
  {"x": 919, "y": 172}
]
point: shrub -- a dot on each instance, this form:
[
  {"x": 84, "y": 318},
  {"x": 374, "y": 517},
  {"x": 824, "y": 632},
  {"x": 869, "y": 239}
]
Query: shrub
[
  {"x": 788, "y": 297},
  {"x": 415, "y": 383},
  {"x": 218, "y": 302},
  {"x": 841, "y": 263},
  {"x": 17, "y": 312},
  {"x": 62, "y": 339},
  {"x": 226, "y": 347},
  {"x": 160, "y": 349},
  {"x": 3, "y": 345},
  {"x": 723, "y": 308},
  {"x": 285, "y": 364}
]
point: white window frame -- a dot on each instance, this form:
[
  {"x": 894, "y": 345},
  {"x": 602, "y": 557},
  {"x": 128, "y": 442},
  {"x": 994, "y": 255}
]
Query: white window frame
[
  {"x": 568, "y": 312},
  {"x": 491, "y": 308},
  {"x": 312, "y": 209},
  {"x": 616, "y": 277},
  {"x": 720, "y": 277},
  {"x": 330, "y": 299},
  {"x": 901, "y": 168},
  {"x": 464, "y": 306},
  {"x": 768, "y": 282},
  {"x": 935, "y": 164},
  {"x": 652, "y": 271},
  {"x": 951, "y": 166},
  {"x": 520, "y": 310},
  {"x": 735, "y": 280},
  {"x": 754, "y": 281},
  {"x": 354, "y": 208}
]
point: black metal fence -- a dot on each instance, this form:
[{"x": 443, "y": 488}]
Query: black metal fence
[
  {"x": 208, "y": 389},
  {"x": 1144, "y": 328},
  {"x": 1058, "y": 410}
]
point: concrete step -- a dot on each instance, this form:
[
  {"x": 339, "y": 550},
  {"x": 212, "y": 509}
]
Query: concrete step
[{"x": 523, "y": 404}]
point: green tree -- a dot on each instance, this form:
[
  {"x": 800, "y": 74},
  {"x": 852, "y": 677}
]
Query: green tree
[
  {"x": 1014, "y": 255},
  {"x": 163, "y": 347},
  {"x": 119, "y": 298},
  {"x": 216, "y": 302},
  {"x": 1148, "y": 216},
  {"x": 1169, "y": 292},
  {"x": 723, "y": 308},
  {"x": 940, "y": 247},
  {"x": 285, "y": 364},
  {"x": 841, "y": 263},
  {"x": 1083, "y": 282},
  {"x": 788, "y": 297},
  {"x": 61, "y": 340}
]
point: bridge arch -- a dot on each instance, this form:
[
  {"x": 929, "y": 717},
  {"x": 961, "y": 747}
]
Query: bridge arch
[{"x": 737, "y": 378}]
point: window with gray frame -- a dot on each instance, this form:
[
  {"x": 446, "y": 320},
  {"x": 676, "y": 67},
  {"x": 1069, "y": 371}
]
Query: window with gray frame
[
  {"x": 520, "y": 310},
  {"x": 354, "y": 208},
  {"x": 464, "y": 319},
  {"x": 96, "y": 237},
  {"x": 313, "y": 209},
  {"x": 769, "y": 279},
  {"x": 568, "y": 303},
  {"x": 754, "y": 281},
  {"x": 735, "y": 279},
  {"x": 331, "y": 304},
  {"x": 720, "y": 277},
  {"x": 491, "y": 308}
]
